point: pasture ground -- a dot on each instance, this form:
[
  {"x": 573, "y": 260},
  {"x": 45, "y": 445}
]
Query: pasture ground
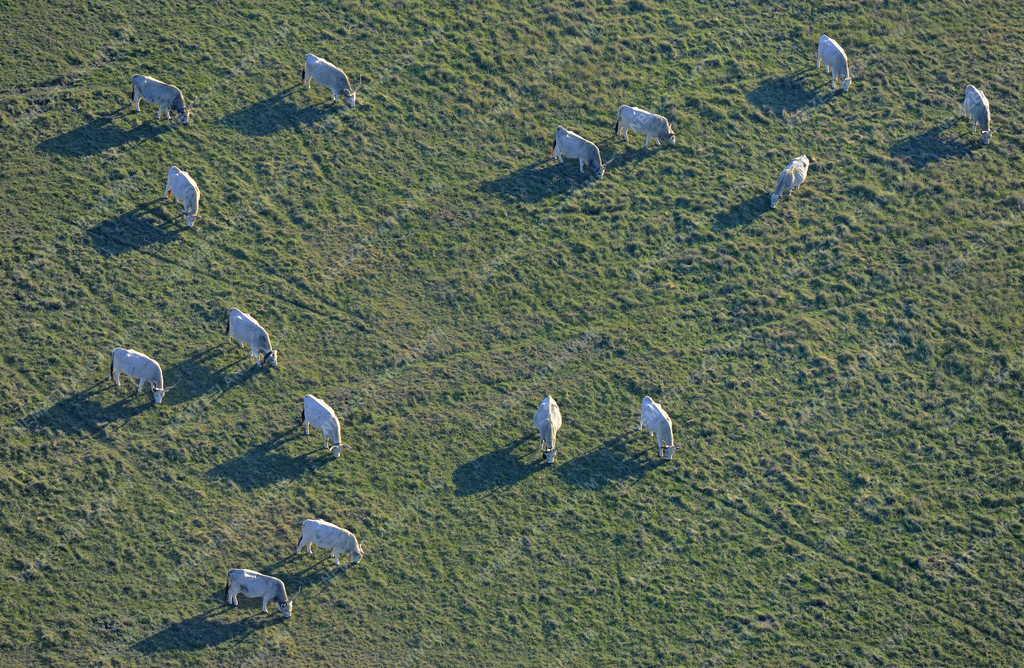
[{"x": 844, "y": 372}]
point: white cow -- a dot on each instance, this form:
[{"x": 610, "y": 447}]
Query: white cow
[
  {"x": 257, "y": 585},
  {"x": 654, "y": 419},
  {"x": 182, "y": 187},
  {"x": 316, "y": 412},
  {"x": 975, "y": 108},
  {"x": 324, "y": 534},
  {"x": 243, "y": 328},
  {"x": 836, "y": 63},
  {"x": 548, "y": 420},
  {"x": 330, "y": 75},
  {"x": 167, "y": 97},
  {"x": 570, "y": 145},
  {"x": 649, "y": 124},
  {"x": 139, "y": 367},
  {"x": 791, "y": 178}
]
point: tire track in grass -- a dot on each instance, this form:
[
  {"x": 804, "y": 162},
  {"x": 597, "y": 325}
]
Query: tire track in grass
[{"x": 865, "y": 571}]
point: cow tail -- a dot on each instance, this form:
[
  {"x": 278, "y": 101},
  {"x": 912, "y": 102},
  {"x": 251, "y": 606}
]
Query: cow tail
[
  {"x": 303, "y": 420},
  {"x": 617, "y": 121},
  {"x": 299, "y": 543},
  {"x": 227, "y": 327},
  {"x": 227, "y": 586}
]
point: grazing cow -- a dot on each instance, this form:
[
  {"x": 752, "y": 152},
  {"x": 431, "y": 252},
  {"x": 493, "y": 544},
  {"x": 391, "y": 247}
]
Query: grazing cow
[
  {"x": 548, "y": 420},
  {"x": 330, "y": 75},
  {"x": 570, "y": 145},
  {"x": 182, "y": 187},
  {"x": 243, "y": 328},
  {"x": 167, "y": 97},
  {"x": 654, "y": 419},
  {"x": 975, "y": 108},
  {"x": 139, "y": 367},
  {"x": 317, "y": 413},
  {"x": 648, "y": 124},
  {"x": 790, "y": 179},
  {"x": 836, "y": 64},
  {"x": 324, "y": 534},
  {"x": 257, "y": 585}
]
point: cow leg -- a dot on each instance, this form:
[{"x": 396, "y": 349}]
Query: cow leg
[
  {"x": 233, "y": 595},
  {"x": 337, "y": 557},
  {"x": 141, "y": 382},
  {"x": 647, "y": 140},
  {"x": 266, "y": 599},
  {"x": 306, "y": 425},
  {"x": 581, "y": 165}
]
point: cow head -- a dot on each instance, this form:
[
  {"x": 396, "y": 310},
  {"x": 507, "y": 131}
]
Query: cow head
[
  {"x": 986, "y": 136},
  {"x": 775, "y": 200},
  {"x": 357, "y": 556},
  {"x": 549, "y": 455},
  {"x": 669, "y": 136},
  {"x": 158, "y": 395},
  {"x": 670, "y": 451},
  {"x": 185, "y": 116},
  {"x": 270, "y": 359},
  {"x": 350, "y": 97},
  {"x": 846, "y": 84},
  {"x": 286, "y": 608}
]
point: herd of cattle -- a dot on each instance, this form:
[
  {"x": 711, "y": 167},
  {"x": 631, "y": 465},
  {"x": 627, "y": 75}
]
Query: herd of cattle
[{"x": 244, "y": 329}]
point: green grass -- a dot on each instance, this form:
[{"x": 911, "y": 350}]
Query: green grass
[{"x": 844, "y": 372}]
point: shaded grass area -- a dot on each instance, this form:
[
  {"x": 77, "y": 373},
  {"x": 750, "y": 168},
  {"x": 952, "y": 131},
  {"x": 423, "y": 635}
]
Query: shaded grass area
[{"x": 843, "y": 371}]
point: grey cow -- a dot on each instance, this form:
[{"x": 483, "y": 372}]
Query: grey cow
[
  {"x": 834, "y": 58},
  {"x": 330, "y": 75},
  {"x": 568, "y": 144},
  {"x": 975, "y": 108},
  {"x": 252, "y": 584},
  {"x": 167, "y": 97},
  {"x": 649, "y": 124}
]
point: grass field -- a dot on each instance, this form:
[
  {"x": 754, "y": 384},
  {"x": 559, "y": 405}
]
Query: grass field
[{"x": 844, "y": 372}]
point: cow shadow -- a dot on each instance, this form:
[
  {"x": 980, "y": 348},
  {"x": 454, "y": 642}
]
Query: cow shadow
[
  {"x": 265, "y": 464},
  {"x": 743, "y": 213},
  {"x": 788, "y": 93},
  {"x": 321, "y": 570},
  {"x": 135, "y": 229},
  {"x": 197, "y": 375},
  {"x": 930, "y": 146},
  {"x": 278, "y": 112},
  {"x": 98, "y": 135},
  {"x": 500, "y": 468},
  {"x": 634, "y": 153},
  {"x": 612, "y": 462},
  {"x": 83, "y": 413},
  {"x": 538, "y": 181},
  {"x": 203, "y": 631}
]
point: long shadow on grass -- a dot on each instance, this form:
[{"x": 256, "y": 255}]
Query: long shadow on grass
[
  {"x": 320, "y": 571},
  {"x": 265, "y": 465},
  {"x": 496, "y": 469},
  {"x": 277, "y": 112},
  {"x": 538, "y": 181},
  {"x": 140, "y": 227},
  {"x": 744, "y": 213},
  {"x": 100, "y": 134},
  {"x": 84, "y": 413},
  {"x": 788, "y": 94},
  {"x": 611, "y": 462},
  {"x": 197, "y": 375},
  {"x": 202, "y": 631},
  {"x": 930, "y": 146}
]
